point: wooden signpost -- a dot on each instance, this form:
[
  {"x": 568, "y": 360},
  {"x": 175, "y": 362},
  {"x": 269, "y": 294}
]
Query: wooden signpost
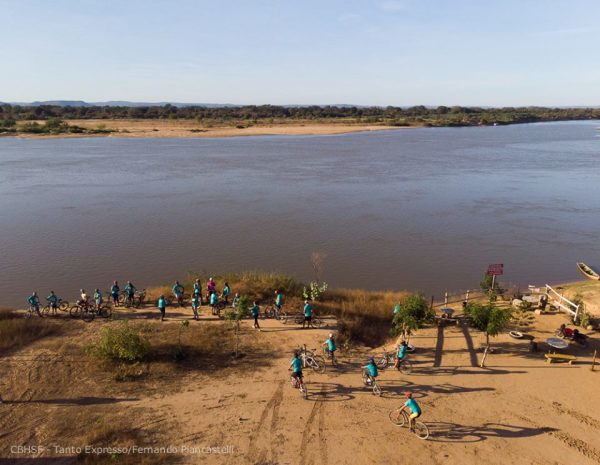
[{"x": 496, "y": 269}]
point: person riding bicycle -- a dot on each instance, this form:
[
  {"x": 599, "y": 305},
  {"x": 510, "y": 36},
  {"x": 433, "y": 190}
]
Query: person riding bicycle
[
  {"x": 330, "y": 346},
  {"x": 162, "y": 305},
  {"x": 53, "y": 301},
  {"x": 225, "y": 293},
  {"x": 130, "y": 290},
  {"x": 255, "y": 310},
  {"x": 308, "y": 311},
  {"x": 114, "y": 292},
  {"x": 372, "y": 370},
  {"x": 195, "y": 304},
  {"x": 178, "y": 292},
  {"x": 34, "y": 301},
  {"x": 278, "y": 299},
  {"x": 415, "y": 410},
  {"x": 83, "y": 298},
  {"x": 401, "y": 354},
  {"x": 296, "y": 367},
  {"x": 98, "y": 298}
]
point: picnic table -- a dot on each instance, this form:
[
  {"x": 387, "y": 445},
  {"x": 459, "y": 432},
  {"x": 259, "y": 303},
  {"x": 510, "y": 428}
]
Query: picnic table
[{"x": 557, "y": 343}]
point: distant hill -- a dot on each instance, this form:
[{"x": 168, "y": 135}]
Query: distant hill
[{"x": 117, "y": 103}]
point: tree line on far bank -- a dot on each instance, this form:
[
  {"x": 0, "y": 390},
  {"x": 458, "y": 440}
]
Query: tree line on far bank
[{"x": 261, "y": 114}]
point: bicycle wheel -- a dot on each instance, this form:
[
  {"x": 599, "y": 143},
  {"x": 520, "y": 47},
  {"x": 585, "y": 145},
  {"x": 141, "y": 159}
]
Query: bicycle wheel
[
  {"x": 405, "y": 367},
  {"x": 63, "y": 306},
  {"x": 382, "y": 362},
  {"x": 28, "y": 313},
  {"x": 87, "y": 314},
  {"x": 45, "y": 311},
  {"x": 317, "y": 322},
  {"x": 105, "y": 311},
  {"x": 75, "y": 311},
  {"x": 299, "y": 319},
  {"x": 284, "y": 317},
  {"x": 421, "y": 430},
  {"x": 376, "y": 389},
  {"x": 398, "y": 418},
  {"x": 318, "y": 363}
]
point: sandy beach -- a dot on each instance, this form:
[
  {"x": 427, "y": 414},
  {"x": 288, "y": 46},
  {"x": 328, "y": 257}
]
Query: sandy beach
[{"x": 191, "y": 128}]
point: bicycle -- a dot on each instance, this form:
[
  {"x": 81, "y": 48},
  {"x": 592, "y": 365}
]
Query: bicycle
[
  {"x": 139, "y": 298},
  {"x": 331, "y": 355},
  {"x": 104, "y": 310},
  {"x": 31, "y": 310},
  {"x": 61, "y": 305},
  {"x": 420, "y": 429},
  {"x": 368, "y": 380},
  {"x": 389, "y": 358},
  {"x": 83, "y": 311},
  {"x": 271, "y": 311},
  {"x": 298, "y": 318},
  {"x": 298, "y": 383},
  {"x": 309, "y": 359}
]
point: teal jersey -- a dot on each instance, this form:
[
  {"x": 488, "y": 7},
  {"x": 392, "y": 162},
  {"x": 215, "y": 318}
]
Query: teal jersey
[
  {"x": 114, "y": 289},
  {"x": 33, "y": 300},
  {"x": 330, "y": 344},
  {"x": 255, "y": 310},
  {"x": 162, "y": 303},
  {"x": 226, "y": 291},
  {"x": 52, "y": 298},
  {"x": 372, "y": 369},
  {"x": 413, "y": 406},
  {"x": 297, "y": 364},
  {"x": 213, "y": 299},
  {"x": 197, "y": 288},
  {"x": 279, "y": 299},
  {"x": 177, "y": 288},
  {"x": 98, "y": 297},
  {"x": 196, "y": 300},
  {"x": 396, "y": 308},
  {"x": 308, "y": 310},
  {"x": 402, "y": 352},
  {"x": 130, "y": 289}
]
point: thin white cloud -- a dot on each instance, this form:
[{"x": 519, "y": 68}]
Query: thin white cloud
[{"x": 348, "y": 18}]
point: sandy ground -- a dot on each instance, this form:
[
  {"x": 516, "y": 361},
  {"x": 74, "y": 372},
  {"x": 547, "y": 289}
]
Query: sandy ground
[
  {"x": 589, "y": 291},
  {"x": 519, "y": 410},
  {"x": 191, "y": 128}
]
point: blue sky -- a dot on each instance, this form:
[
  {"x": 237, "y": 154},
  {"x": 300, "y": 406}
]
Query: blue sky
[{"x": 379, "y": 52}]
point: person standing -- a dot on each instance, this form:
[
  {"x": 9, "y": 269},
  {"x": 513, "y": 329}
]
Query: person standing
[
  {"x": 308, "y": 313},
  {"x": 195, "y": 304},
  {"x": 255, "y": 310},
  {"x": 162, "y": 305},
  {"x": 225, "y": 293},
  {"x": 114, "y": 292}
]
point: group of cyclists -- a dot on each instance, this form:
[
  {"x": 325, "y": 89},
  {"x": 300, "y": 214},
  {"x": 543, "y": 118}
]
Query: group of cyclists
[
  {"x": 96, "y": 300},
  {"x": 371, "y": 372}
]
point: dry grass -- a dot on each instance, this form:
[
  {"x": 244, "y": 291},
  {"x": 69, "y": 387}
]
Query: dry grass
[{"x": 17, "y": 332}]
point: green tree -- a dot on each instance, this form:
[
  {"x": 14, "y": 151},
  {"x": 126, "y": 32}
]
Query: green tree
[
  {"x": 235, "y": 315},
  {"x": 413, "y": 313},
  {"x": 489, "y": 319}
]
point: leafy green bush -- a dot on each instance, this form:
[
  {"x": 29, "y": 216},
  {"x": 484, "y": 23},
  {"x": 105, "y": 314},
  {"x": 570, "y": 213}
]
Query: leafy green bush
[
  {"x": 123, "y": 342},
  {"x": 413, "y": 312}
]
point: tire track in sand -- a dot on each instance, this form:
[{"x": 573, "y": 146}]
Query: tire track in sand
[
  {"x": 257, "y": 454},
  {"x": 308, "y": 444}
]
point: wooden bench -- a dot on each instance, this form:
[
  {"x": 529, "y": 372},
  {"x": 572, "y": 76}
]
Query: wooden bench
[{"x": 560, "y": 358}]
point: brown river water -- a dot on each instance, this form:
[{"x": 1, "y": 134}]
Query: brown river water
[{"x": 414, "y": 209}]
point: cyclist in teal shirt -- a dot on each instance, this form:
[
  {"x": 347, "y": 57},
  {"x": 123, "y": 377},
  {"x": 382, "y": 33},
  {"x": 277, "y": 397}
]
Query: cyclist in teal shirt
[
  {"x": 98, "y": 298},
  {"x": 195, "y": 304},
  {"x": 308, "y": 311},
  {"x": 162, "y": 305},
  {"x": 114, "y": 292},
  {"x": 296, "y": 366},
  {"x": 415, "y": 410},
  {"x": 372, "y": 368},
  {"x": 34, "y": 301},
  {"x": 214, "y": 299},
  {"x": 255, "y": 310},
  {"x": 225, "y": 293},
  {"x": 178, "y": 292},
  {"x": 53, "y": 301},
  {"x": 401, "y": 353},
  {"x": 198, "y": 289},
  {"x": 278, "y": 299},
  {"x": 330, "y": 347},
  {"x": 130, "y": 289}
]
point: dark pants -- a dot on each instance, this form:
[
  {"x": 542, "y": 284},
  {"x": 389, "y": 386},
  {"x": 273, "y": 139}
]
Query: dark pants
[{"x": 162, "y": 313}]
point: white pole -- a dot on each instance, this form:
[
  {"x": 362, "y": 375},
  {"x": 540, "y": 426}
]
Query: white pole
[{"x": 446, "y": 299}]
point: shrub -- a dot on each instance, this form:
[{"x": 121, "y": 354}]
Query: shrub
[
  {"x": 413, "y": 312},
  {"x": 123, "y": 342}
]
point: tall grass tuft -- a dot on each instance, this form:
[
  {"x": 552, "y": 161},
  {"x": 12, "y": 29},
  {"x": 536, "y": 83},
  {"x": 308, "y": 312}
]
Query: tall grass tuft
[{"x": 17, "y": 332}]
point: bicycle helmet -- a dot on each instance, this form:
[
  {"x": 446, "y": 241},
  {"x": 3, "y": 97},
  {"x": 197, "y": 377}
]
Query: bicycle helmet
[
  {"x": 371, "y": 360},
  {"x": 330, "y": 334},
  {"x": 81, "y": 290},
  {"x": 408, "y": 395}
]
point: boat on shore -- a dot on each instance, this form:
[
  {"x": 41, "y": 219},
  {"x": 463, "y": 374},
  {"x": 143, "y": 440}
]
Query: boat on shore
[{"x": 587, "y": 271}]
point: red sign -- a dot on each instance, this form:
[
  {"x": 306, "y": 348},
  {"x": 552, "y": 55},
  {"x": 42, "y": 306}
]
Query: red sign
[{"x": 496, "y": 269}]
